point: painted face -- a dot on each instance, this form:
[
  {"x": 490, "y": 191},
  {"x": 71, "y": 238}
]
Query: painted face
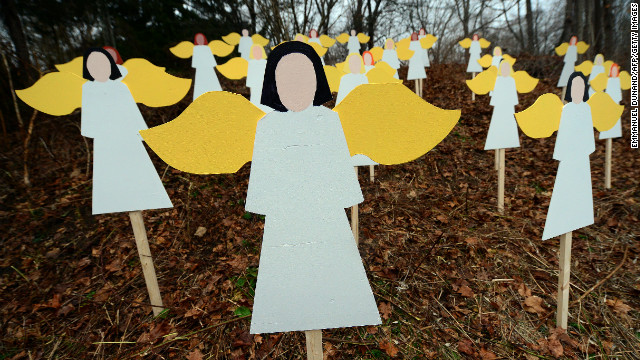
[
  {"x": 615, "y": 71},
  {"x": 245, "y": 32},
  {"x": 99, "y": 66},
  {"x": 388, "y": 44},
  {"x": 505, "y": 69},
  {"x": 414, "y": 37},
  {"x": 497, "y": 51},
  {"x": 573, "y": 41},
  {"x": 577, "y": 90},
  {"x": 423, "y": 32},
  {"x": 200, "y": 39},
  {"x": 296, "y": 81},
  {"x": 353, "y": 33},
  {"x": 257, "y": 53},
  {"x": 355, "y": 65},
  {"x": 599, "y": 59},
  {"x": 299, "y": 38},
  {"x": 313, "y": 33},
  {"x": 475, "y": 37},
  {"x": 367, "y": 58}
]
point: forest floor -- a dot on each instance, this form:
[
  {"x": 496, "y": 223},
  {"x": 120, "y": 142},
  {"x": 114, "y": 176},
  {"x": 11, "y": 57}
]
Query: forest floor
[{"x": 452, "y": 277}]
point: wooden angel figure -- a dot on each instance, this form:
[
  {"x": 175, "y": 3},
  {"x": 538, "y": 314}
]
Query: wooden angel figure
[
  {"x": 570, "y": 51},
  {"x": 571, "y": 205},
  {"x": 503, "y": 129},
  {"x": 353, "y": 41},
  {"x": 390, "y": 56},
  {"x": 613, "y": 85},
  {"x": 255, "y": 73},
  {"x": 310, "y": 274},
  {"x": 475, "y": 46},
  {"x": 416, "y": 66},
  {"x": 322, "y": 40},
  {"x": 244, "y": 45},
  {"x": 244, "y": 42},
  {"x": 355, "y": 77},
  {"x": 201, "y": 53},
  {"x": 124, "y": 178},
  {"x": 426, "y": 45},
  {"x": 367, "y": 59},
  {"x": 488, "y": 60},
  {"x": 595, "y": 68}
]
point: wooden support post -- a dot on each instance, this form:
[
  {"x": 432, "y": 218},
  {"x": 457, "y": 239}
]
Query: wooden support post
[
  {"x": 563, "y": 280},
  {"x": 473, "y": 95},
  {"x": 354, "y": 218},
  {"x": 140, "y": 233},
  {"x": 607, "y": 164},
  {"x": 372, "y": 173},
  {"x": 314, "y": 344},
  {"x": 497, "y": 161},
  {"x": 501, "y": 181},
  {"x": 564, "y": 92},
  {"x": 417, "y": 87}
]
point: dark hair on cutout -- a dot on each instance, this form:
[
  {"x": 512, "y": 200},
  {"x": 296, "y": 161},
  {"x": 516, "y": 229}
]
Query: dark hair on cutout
[
  {"x": 270, "y": 95},
  {"x": 585, "y": 96},
  {"x": 115, "y": 72}
]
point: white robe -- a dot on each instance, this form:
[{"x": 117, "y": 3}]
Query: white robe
[
  {"x": 613, "y": 89},
  {"x": 495, "y": 61},
  {"x": 425, "y": 53},
  {"x": 391, "y": 58},
  {"x": 569, "y": 65},
  {"x": 349, "y": 82},
  {"x": 353, "y": 45},
  {"x": 244, "y": 47},
  {"x": 416, "y": 66},
  {"x": 571, "y": 205},
  {"x": 368, "y": 68},
  {"x": 317, "y": 41},
  {"x": 310, "y": 275},
  {"x": 474, "y": 55},
  {"x": 503, "y": 129},
  {"x": 124, "y": 178},
  {"x": 206, "y": 79},
  {"x": 595, "y": 71},
  {"x": 255, "y": 79}
]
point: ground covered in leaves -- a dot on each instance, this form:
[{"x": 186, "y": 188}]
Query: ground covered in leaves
[{"x": 453, "y": 278}]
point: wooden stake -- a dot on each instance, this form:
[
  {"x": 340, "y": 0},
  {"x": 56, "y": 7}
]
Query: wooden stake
[
  {"x": 354, "y": 218},
  {"x": 501, "y": 181},
  {"x": 473, "y": 95},
  {"x": 314, "y": 344},
  {"x": 417, "y": 87},
  {"x": 563, "y": 280},
  {"x": 497, "y": 162},
  {"x": 564, "y": 92},
  {"x": 137, "y": 222},
  {"x": 607, "y": 164},
  {"x": 372, "y": 173}
]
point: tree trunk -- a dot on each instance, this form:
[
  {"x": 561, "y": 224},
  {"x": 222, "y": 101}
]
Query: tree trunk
[
  {"x": 597, "y": 26},
  {"x": 14, "y": 26},
  {"x": 568, "y": 29},
  {"x": 578, "y": 15},
  {"x": 531, "y": 37},
  {"x": 608, "y": 20}
]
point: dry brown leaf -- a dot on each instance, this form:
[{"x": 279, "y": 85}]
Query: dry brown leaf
[
  {"x": 533, "y": 304},
  {"x": 618, "y": 306},
  {"x": 200, "y": 231},
  {"x": 389, "y": 348},
  {"x": 385, "y": 309},
  {"x": 487, "y": 355},
  {"x": 465, "y": 291},
  {"x": 466, "y": 346},
  {"x": 555, "y": 347},
  {"x": 194, "y": 355}
]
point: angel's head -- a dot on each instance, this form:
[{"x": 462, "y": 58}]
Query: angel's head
[
  {"x": 475, "y": 37},
  {"x": 257, "y": 52},
  {"x": 573, "y": 40},
  {"x": 298, "y": 37},
  {"x": 577, "y": 89},
  {"x": 353, "y": 32},
  {"x": 414, "y": 36},
  {"x": 505, "y": 68},
  {"x": 245, "y": 32},
  {"x": 423, "y": 31},
  {"x": 294, "y": 78},
  {"x": 313, "y": 33},
  {"x": 367, "y": 58},
  {"x": 115, "y": 55},
  {"x": 98, "y": 65},
  {"x": 614, "y": 71},
  {"x": 497, "y": 51},
  {"x": 200, "y": 39},
  {"x": 389, "y": 44},
  {"x": 599, "y": 60},
  {"x": 354, "y": 64}
]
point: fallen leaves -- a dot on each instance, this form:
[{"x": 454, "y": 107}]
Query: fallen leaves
[
  {"x": 389, "y": 348},
  {"x": 533, "y": 304}
]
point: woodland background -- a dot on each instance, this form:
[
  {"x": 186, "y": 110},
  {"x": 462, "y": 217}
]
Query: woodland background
[{"x": 452, "y": 277}]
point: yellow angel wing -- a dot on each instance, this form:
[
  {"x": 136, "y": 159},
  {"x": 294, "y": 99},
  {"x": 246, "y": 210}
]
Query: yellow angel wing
[
  {"x": 327, "y": 41},
  {"x": 465, "y": 43},
  {"x": 56, "y": 93},
  {"x": 343, "y": 38},
  {"x": 318, "y": 48},
  {"x": 74, "y": 66},
  {"x": 260, "y": 40},
  {"x": 607, "y": 66},
  {"x": 625, "y": 80},
  {"x": 542, "y": 118},
  {"x": 585, "y": 67},
  {"x": 379, "y": 76},
  {"x": 235, "y": 68},
  {"x": 362, "y": 38},
  {"x": 599, "y": 83},
  {"x": 377, "y": 52},
  {"x": 511, "y": 60},
  {"x": 183, "y": 50},
  {"x": 220, "y": 48},
  {"x": 562, "y": 49},
  {"x": 524, "y": 82},
  {"x": 428, "y": 41},
  {"x": 390, "y": 124},
  {"x": 214, "y": 135},
  {"x": 404, "y": 54},
  {"x": 385, "y": 67},
  {"x": 604, "y": 111},
  {"x": 232, "y": 39},
  {"x": 485, "y": 61},
  {"x": 582, "y": 47},
  {"x": 333, "y": 77},
  {"x": 484, "y": 43},
  {"x": 152, "y": 86},
  {"x": 484, "y": 82}
]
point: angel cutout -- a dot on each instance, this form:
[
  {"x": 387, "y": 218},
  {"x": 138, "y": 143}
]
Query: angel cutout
[
  {"x": 570, "y": 52},
  {"x": 255, "y": 73},
  {"x": 245, "y": 42},
  {"x": 323, "y": 41},
  {"x": 416, "y": 65},
  {"x": 488, "y": 60},
  {"x": 390, "y": 56},
  {"x": 367, "y": 59},
  {"x": 475, "y": 46},
  {"x": 353, "y": 41},
  {"x": 593, "y": 69},
  {"x": 310, "y": 274},
  {"x": 613, "y": 84},
  {"x": 426, "y": 45},
  {"x": 124, "y": 178},
  {"x": 201, "y": 53}
]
